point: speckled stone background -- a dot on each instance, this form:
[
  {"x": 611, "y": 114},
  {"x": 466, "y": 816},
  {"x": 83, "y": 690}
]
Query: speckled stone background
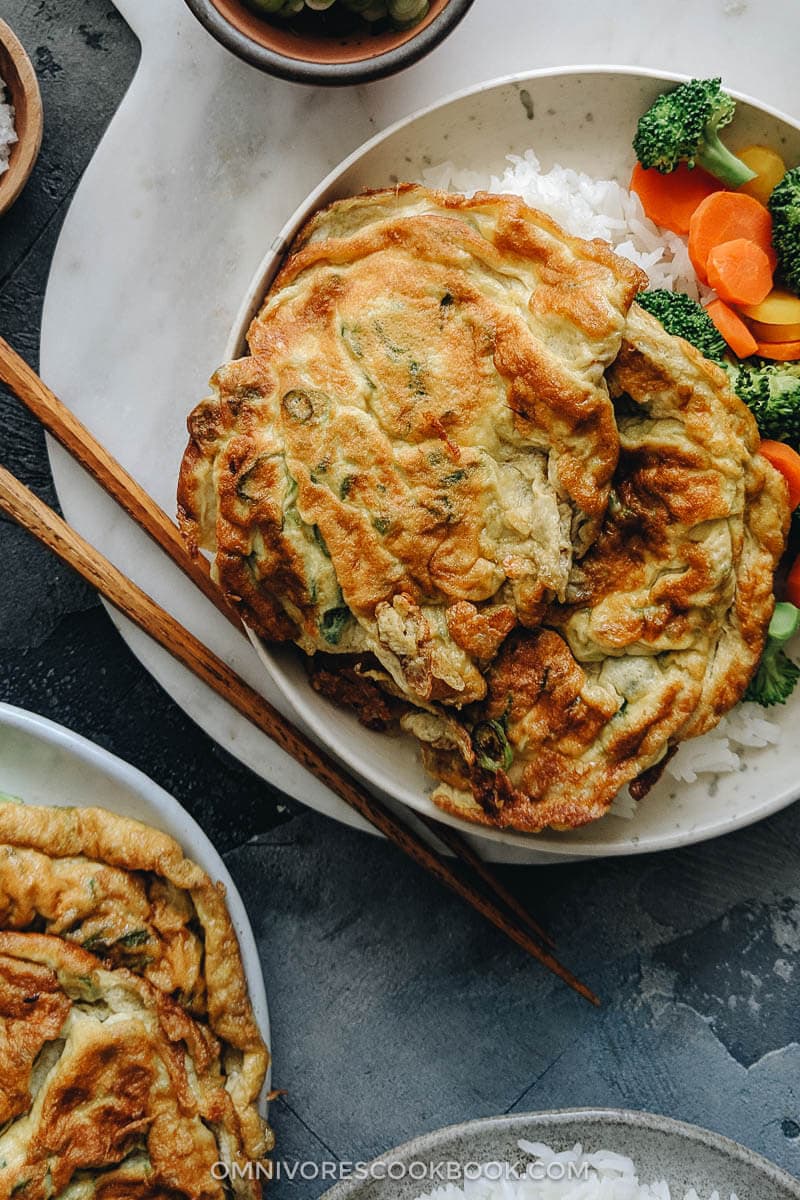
[{"x": 395, "y": 1010}]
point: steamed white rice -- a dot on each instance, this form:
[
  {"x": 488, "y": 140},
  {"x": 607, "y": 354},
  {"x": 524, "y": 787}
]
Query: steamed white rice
[
  {"x": 8, "y": 134},
  {"x": 602, "y": 208},
  {"x": 570, "y": 1175}
]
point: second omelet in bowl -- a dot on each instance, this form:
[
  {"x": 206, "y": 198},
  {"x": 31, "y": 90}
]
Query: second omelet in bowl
[{"x": 131, "y": 1063}]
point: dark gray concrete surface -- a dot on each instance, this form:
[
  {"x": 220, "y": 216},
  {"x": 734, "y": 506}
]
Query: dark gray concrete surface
[{"x": 394, "y": 1009}]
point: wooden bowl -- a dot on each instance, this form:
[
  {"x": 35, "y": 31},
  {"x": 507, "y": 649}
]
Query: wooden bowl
[
  {"x": 22, "y": 90},
  {"x": 294, "y": 50}
]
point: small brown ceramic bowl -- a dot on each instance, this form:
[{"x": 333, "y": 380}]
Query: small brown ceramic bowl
[
  {"x": 313, "y": 49},
  {"x": 22, "y": 90}
]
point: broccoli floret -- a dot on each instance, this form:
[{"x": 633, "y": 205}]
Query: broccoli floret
[
  {"x": 777, "y": 676},
  {"x": 684, "y": 317},
  {"x": 784, "y": 204},
  {"x": 775, "y": 679},
  {"x": 772, "y": 393},
  {"x": 682, "y": 126}
]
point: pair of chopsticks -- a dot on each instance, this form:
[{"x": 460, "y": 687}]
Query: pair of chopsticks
[{"x": 486, "y": 894}]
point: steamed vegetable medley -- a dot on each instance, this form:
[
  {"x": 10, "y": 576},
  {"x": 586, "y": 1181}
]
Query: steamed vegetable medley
[
  {"x": 401, "y": 13},
  {"x": 741, "y": 213}
]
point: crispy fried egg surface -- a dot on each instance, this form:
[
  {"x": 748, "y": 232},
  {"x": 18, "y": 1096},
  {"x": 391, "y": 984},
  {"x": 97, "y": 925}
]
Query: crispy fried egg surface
[
  {"x": 663, "y": 622},
  {"x": 108, "y": 1088},
  {"x": 125, "y": 894},
  {"x": 421, "y": 440}
]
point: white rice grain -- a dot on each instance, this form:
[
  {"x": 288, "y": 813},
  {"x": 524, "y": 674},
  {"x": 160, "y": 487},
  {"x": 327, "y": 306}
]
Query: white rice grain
[
  {"x": 8, "y": 134},
  {"x": 569, "y": 1175},
  {"x": 745, "y": 727}
]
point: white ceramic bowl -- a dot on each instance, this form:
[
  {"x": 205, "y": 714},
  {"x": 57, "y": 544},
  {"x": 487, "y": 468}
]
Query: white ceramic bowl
[
  {"x": 44, "y": 763},
  {"x": 661, "y": 1148},
  {"x": 584, "y": 118}
]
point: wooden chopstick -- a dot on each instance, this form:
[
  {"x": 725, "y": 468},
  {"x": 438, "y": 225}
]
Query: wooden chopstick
[
  {"x": 462, "y": 850},
  {"x": 104, "y": 468},
  {"x": 33, "y": 514}
]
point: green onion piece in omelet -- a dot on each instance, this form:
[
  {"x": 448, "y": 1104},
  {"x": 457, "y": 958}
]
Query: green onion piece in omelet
[
  {"x": 333, "y": 624},
  {"x": 492, "y": 747}
]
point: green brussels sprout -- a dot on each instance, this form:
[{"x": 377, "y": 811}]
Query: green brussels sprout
[
  {"x": 407, "y": 10},
  {"x": 403, "y": 13},
  {"x": 266, "y": 6}
]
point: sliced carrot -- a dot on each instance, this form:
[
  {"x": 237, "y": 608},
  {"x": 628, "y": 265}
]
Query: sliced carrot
[
  {"x": 777, "y": 351},
  {"x": 723, "y": 217},
  {"x": 670, "y": 200},
  {"x": 793, "y": 584},
  {"x": 787, "y": 461},
  {"x": 732, "y": 328},
  {"x": 739, "y": 272}
]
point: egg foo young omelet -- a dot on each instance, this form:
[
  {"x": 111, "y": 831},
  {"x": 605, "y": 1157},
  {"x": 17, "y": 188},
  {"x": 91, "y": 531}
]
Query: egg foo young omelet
[
  {"x": 664, "y": 619},
  {"x": 421, "y": 440},
  {"x": 130, "y": 1058},
  {"x": 492, "y": 499}
]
